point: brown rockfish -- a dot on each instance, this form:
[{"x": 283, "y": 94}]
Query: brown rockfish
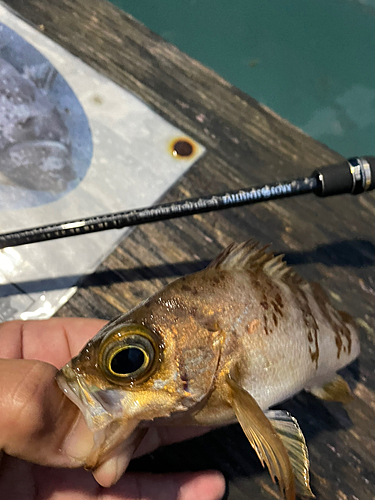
[{"x": 221, "y": 345}]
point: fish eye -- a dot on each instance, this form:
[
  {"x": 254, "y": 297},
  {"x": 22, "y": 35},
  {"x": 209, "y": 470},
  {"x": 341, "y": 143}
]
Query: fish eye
[
  {"x": 128, "y": 360},
  {"x": 129, "y": 355}
]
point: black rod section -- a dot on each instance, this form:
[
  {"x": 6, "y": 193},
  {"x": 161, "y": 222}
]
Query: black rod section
[
  {"x": 352, "y": 176},
  {"x": 156, "y": 213}
]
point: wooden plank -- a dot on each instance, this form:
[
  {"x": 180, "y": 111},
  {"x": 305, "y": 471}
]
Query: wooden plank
[{"x": 330, "y": 241}]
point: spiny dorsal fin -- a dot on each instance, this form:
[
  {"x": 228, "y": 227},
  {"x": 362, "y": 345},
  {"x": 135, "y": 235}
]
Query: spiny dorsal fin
[{"x": 249, "y": 255}]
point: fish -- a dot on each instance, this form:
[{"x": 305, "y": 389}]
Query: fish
[{"x": 222, "y": 345}]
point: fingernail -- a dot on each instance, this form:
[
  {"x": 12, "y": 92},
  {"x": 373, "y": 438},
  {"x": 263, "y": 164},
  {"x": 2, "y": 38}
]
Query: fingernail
[{"x": 79, "y": 442}]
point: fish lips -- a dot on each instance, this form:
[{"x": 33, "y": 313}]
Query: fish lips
[{"x": 99, "y": 407}]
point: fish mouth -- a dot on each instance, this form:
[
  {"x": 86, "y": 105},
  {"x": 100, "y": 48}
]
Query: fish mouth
[
  {"x": 104, "y": 415},
  {"x": 99, "y": 407}
]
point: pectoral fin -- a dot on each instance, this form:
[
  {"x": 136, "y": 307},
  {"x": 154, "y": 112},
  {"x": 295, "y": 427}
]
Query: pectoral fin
[
  {"x": 336, "y": 390},
  {"x": 291, "y": 435},
  {"x": 263, "y": 438}
]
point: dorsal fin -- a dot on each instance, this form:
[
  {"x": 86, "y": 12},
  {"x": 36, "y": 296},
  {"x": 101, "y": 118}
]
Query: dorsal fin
[{"x": 249, "y": 255}]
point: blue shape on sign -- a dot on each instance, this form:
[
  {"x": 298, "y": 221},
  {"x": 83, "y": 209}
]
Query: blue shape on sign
[{"x": 45, "y": 138}]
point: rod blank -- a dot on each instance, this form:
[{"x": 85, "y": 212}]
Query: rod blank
[{"x": 353, "y": 176}]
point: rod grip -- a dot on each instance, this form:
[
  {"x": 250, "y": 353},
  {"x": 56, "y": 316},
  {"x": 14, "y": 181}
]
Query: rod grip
[{"x": 354, "y": 176}]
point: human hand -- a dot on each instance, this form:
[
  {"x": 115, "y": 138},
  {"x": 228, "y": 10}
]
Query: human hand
[{"x": 41, "y": 430}]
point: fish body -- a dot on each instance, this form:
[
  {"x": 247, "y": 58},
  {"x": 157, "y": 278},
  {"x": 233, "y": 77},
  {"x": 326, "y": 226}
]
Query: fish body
[{"x": 221, "y": 345}]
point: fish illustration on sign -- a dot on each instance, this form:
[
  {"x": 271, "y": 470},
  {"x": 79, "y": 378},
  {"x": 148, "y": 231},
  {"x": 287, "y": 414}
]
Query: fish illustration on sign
[
  {"x": 35, "y": 147},
  {"x": 222, "y": 345},
  {"x": 45, "y": 137}
]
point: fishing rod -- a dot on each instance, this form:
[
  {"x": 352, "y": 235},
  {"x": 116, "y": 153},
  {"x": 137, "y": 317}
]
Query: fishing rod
[{"x": 354, "y": 176}]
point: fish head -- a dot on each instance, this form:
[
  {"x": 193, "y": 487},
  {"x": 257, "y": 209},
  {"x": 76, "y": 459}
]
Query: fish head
[{"x": 139, "y": 368}]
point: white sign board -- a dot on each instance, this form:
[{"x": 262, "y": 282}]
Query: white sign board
[{"x": 72, "y": 144}]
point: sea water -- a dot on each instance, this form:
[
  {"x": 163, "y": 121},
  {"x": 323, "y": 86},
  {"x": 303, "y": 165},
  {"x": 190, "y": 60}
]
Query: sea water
[{"x": 311, "y": 61}]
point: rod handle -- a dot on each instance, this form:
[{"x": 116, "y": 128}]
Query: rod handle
[{"x": 354, "y": 176}]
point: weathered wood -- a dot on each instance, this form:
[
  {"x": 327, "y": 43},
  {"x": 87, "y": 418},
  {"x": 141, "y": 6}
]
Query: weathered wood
[{"x": 330, "y": 241}]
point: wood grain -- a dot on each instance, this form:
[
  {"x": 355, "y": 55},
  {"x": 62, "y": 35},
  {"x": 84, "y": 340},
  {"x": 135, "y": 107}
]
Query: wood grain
[{"x": 331, "y": 241}]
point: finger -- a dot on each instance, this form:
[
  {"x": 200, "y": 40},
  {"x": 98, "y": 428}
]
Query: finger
[
  {"x": 54, "y": 341},
  {"x": 209, "y": 485},
  {"x": 141, "y": 442},
  {"x": 78, "y": 485},
  {"x": 116, "y": 463},
  {"x": 37, "y": 422}
]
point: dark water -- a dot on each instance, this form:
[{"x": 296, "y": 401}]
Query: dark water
[{"x": 312, "y": 61}]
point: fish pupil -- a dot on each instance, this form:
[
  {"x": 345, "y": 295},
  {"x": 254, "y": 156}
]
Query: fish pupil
[{"x": 127, "y": 361}]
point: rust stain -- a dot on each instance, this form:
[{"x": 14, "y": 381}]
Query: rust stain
[{"x": 182, "y": 147}]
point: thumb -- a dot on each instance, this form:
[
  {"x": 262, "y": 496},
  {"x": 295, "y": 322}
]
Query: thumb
[{"x": 38, "y": 422}]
